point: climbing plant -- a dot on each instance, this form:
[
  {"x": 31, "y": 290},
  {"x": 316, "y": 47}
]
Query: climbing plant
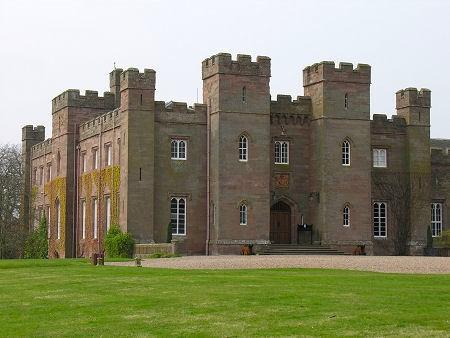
[{"x": 55, "y": 190}]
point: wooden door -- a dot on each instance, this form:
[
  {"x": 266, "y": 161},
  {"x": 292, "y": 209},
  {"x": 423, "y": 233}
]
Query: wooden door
[{"x": 280, "y": 227}]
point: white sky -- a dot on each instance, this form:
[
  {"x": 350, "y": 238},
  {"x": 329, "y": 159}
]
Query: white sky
[{"x": 49, "y": 46}]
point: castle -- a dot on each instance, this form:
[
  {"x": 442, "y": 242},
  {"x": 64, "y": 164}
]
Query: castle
[{"x": 238, "y": 168}]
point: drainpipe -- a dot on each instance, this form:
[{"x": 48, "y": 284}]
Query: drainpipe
[
  {"x": 76, "y": 152},
  {"x": 208, "y": 158}
]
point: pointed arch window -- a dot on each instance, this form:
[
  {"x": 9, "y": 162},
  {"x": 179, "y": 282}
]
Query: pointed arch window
[
  {"x": 379, "y": 219},
  {"x": 346, "y": 216},
  {"x": 243, "y": 148},
  {"x": 58, "y": 219},
  {"x": 243, "y": 214},
  {"x": 58, "y": 163},
  {"x": 178, "y": 215},
  {"x": 178, "y": 149},
  {"x": 436, "y": 219},
  {"x": 281, "y": 152},
  {"x": 346, "y": 153}
]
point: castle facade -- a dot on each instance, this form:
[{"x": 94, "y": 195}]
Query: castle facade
[{"x": 239, "y": 168}]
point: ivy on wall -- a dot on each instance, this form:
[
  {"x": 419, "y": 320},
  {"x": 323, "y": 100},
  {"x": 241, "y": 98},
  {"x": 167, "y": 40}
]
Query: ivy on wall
[
  {"x": 55, "y": 190},
  {"x": 102, "y": 180}
]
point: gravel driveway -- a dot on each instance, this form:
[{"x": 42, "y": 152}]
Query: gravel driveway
[{"x": 391, "y": 264}]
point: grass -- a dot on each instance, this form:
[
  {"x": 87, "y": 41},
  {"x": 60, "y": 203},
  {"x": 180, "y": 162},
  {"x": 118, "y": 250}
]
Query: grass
[{"x": 73, "y": 298}]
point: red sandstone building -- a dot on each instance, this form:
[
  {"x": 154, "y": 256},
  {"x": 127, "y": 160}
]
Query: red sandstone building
[{"x": 238, "y": 168}]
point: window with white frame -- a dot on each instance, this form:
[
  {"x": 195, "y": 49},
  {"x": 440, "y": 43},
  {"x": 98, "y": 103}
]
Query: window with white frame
[
  {"x": 83, "y": 219},
  {"x": 379, "y": 219},
  {"x": 178, "y": 215},
  {"x": 48, "y": 221},
  {"x": 108, "y": 212},
  {"x": 243, "y": 148},
  {"x": 58, "y": 219},
  {"x": 281, "y": 152},
  {"x": 346, "y": 216},
  {"x": 243, "y": 213},
  {"x": 95, "y": 216},
  {"x": 108, "y": 151},
  {"x": 83, "y": 162},
  {"x": 178, "y": 149},
  {"x": 379, "y": 158},
  {"x": 346, "y": 153},
  {"x": 436, "y": 219},
  {"x": 95, "y": 158}
]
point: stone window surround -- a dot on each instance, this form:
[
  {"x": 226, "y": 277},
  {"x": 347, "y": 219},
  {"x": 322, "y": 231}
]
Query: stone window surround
[
  {"x": 374, "y": 148},
  {"x": 437, "y": 223},
  {"x": 385, "y": 219}
]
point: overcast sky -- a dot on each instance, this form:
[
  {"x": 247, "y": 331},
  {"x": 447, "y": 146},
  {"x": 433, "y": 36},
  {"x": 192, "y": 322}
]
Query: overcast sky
[{"x": 49, "y": 46}]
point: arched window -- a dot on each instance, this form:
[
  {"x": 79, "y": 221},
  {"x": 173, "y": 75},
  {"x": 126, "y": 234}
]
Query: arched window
[
  {"x": 83, "y": 219},
  {"x": 58, "y": 219},
  {"x": 379, "y": 219},
  {"x": 346, "y": 216},
  {"x": 58, "y": 163},
  {"x": 281, "y": 152},
  {"x": 346, "y": 153},
  {"x": 178, "y": 149},
  {"x": 178, "y": 215},
  {"x": 436, "y": 219},
  {"x": 346, "y": 101},
  {"x": 243, "y": 214},
  {"x": 95, "y": 217},
  {"x": 244, "y": 94},
  {"x": 243, "y": 148}
]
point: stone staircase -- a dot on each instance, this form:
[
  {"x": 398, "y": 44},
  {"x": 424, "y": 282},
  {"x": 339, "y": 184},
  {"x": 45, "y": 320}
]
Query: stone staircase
[{"x": 294, "y": 249}]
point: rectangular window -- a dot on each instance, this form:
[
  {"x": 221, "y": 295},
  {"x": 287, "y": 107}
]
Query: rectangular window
[
  {"x": 83, "y": 162},
  {"x": 49, "y": 172},
  {"x": 108, "y": 212},
  {"x": 178, "y": 215},
  {"x": 95, "y": 216},
  {"x": 379, "y": 158},
  {"x": 41, "y": 175},
  {"x": 58, "y": 220},
  {"x": 83, "y": 219},
  {"x": 108, "y": 151},
  {"x": 379, "y": 219},
  {"x": 95, "y": 158},
  {"x": 436, "y": 219},
  {"x": 34, "y": 178},
  {"x": 48, "y": 221},
  {"x": 281, "y": 152},
  {"x": 178, "y": 149}
]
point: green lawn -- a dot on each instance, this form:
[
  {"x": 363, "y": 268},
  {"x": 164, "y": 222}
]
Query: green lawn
[{"x": 73, "y": 298}]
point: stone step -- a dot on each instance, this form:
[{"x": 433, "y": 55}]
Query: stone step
[{"x": 293, "y": 249}]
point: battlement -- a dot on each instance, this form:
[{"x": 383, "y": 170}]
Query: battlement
[
  {"x": 72, "y": 98},
  {"x": 326, "y": 71},
  {"x": 180, "y": 112},
  {"x": 133, "y": 79},
  {"x": 41, "y": 148},
  {"x": 102, "y": 123},
  {"x": 440, "y": 156},
  {"x": 30, "y": 132},
  {"x": 223, "y": 64},
  {"x": 381, "y": 124},
  {"x": 285, "y": 104},
  {"x": 412, "y": 97}
]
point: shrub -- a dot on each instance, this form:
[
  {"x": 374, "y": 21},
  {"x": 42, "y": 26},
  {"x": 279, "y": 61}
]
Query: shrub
[
  {"x": 444, "y": 240},
  {"x": 118, "y": 244},
  {"x": 163, "y": 255},
  {"x": 36, "y": 243}
]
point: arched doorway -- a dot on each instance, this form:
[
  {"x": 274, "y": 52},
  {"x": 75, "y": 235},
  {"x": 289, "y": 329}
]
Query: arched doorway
[{"x": 280, "y": 223}]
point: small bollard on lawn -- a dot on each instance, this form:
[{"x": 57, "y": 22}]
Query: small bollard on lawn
[
  {"x": 100, "y": 261},
  {"x": 137, "y": 261}
]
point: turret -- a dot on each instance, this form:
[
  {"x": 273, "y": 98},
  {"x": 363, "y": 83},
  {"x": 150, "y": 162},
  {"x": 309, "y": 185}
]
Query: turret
[
  {"x": 114, "y": 85},
  {"x": 414, "y": 105},
  {"x": 342, "y": 92},
  {"x": 30, "y": 136}
]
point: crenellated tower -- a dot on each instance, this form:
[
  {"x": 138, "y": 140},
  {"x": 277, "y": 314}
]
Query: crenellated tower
[
  {"x": 237, "y": 95},
  {"x": 30, "y": 136},
  {"x": 137, "y": 105},
  {"x": 414, "y": 106},
  {"x": 340, "y": 100}
]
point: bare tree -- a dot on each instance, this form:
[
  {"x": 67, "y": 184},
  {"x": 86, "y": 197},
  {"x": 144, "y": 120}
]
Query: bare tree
[
  {"x": 12, "y": 233},
  {"x": 405, "y": 192}
]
